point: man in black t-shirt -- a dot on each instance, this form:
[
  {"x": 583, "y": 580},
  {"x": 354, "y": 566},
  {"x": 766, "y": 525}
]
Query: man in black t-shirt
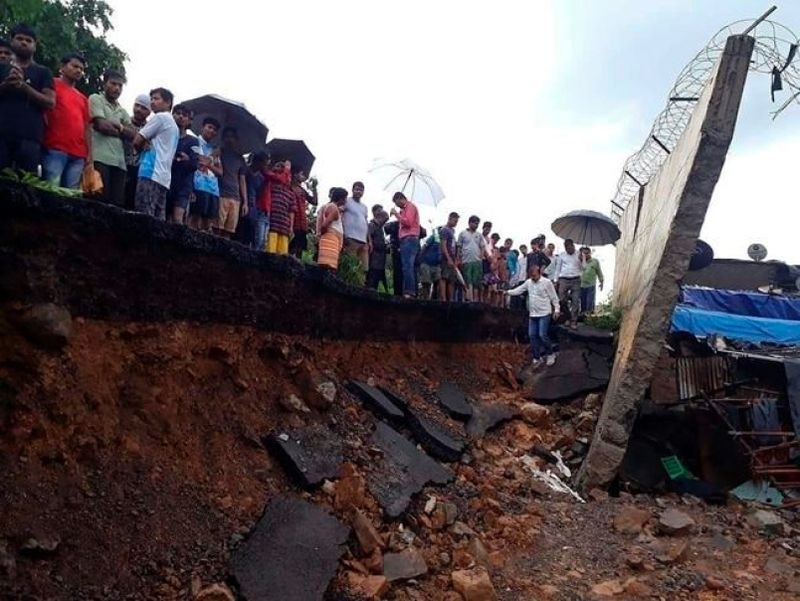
[
  {"x": 26, "y": 92},
  {"x": 537, "y": 255}
]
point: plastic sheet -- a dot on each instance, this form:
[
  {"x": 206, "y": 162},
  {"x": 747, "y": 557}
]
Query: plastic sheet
[
  {"x": 757, "y": 330},
  {"x": 742, "y": 302}
]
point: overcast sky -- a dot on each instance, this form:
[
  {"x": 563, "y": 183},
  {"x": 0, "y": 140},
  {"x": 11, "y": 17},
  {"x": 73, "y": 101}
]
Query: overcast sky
[{"x": 521, "y": 110}]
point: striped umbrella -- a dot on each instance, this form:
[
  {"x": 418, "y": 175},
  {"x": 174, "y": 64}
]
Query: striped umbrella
[{"x": 586, "y": 227}]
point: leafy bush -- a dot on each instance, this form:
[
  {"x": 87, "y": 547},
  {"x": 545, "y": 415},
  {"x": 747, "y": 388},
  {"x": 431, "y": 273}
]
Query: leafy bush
[
  {"x": 606, "y": 317},
  {"x": 29, "y": 179},
  {"x": 350, "y": 270}
]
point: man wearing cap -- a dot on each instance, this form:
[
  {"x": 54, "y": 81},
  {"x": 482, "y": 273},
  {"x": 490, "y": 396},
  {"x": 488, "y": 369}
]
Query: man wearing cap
[
  {"x": 141, "y": 111},
  {"x": 111, "y": 125}
]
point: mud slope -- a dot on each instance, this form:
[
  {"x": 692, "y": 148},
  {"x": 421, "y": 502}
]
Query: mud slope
[{"x": 137, "y": 447}]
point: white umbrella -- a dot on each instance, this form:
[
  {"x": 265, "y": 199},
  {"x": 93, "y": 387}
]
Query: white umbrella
[
  {"x": 409, "y": 178},
  {"x": 586, "y": 227}
]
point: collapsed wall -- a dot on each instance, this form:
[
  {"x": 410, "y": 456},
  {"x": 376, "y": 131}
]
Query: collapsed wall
[{"x": 659, "y": 232}]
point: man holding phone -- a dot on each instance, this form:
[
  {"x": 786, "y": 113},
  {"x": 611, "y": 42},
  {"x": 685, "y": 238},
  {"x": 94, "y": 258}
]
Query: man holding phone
[{"x": 26, "y": 92}]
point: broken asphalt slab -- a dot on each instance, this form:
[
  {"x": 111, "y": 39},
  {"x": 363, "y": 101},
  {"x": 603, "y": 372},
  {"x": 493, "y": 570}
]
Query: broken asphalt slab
[
  {"x": 436, "y": 440},
  {"x": 576, "y": 371},
  {"x": 486, "y": 416},
  {"x": 402, "y": 472},
  {"x": 433, "y": 438},
  {"x": 292, "y": 553},
  {"x": 455, "y": 402},
  {"x": 310, "y": 455},
  {"x": 376, "y": 401}
]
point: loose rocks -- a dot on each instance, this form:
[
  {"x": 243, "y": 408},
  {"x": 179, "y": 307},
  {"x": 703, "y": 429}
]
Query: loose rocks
[
  {"x": 404, "y": 565},
  {"x": 474, "y": 584}
]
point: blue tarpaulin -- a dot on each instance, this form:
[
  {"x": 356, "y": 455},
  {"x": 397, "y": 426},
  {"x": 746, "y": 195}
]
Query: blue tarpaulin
[
  {"x": 757, "y": 330},
  {"x": 742, "y": 302}
]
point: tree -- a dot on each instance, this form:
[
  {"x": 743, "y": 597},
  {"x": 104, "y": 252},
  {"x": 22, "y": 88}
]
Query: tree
[{"x": 64, "y": 27}]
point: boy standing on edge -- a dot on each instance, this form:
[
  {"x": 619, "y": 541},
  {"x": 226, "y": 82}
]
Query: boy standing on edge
[
  {"x": 155, "y": 168},
  {"x": 232, "y": 185},
  {"x": 183, "y": 167},
  {"x": 205, "y": 207},
  {"x": 542, "y": 302},
  {"x": 68, "y": 138}
]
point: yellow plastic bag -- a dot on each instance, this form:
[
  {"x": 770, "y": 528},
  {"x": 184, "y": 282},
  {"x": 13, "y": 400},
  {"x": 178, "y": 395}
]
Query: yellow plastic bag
[{"x": 91, "y": 182}]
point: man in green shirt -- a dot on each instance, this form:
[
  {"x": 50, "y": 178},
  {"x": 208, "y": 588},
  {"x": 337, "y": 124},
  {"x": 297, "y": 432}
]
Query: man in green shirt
[
  {"x": 111, "y": 124},
  {"x": 590, "y": 275}
]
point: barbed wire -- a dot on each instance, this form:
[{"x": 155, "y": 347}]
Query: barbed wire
[{"x": 773, "y": 49}]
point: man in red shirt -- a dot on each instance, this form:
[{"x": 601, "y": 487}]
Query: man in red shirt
[
  {"x": 68, "y": 137},
  {"x": 408, "y": 218}
]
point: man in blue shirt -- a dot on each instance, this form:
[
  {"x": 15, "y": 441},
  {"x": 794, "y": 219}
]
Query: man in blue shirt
[{"x": 205, "y": 207}]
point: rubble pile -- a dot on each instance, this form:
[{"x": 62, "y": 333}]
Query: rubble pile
[{"x": 345, "y": 472}]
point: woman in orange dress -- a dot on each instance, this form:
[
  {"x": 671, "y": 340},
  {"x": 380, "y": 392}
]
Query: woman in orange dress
[{"x": 330, "y": 234}]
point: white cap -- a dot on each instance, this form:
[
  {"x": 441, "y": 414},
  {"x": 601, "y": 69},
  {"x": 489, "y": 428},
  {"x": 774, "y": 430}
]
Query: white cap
[{"x": 144, "y": 100}]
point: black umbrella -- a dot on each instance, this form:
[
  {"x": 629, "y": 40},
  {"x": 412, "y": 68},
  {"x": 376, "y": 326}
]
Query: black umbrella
[
  {"x": 252, "y": 133},
  {"x": 586, "y": 227},
  {"x": 295, "y": 151}
]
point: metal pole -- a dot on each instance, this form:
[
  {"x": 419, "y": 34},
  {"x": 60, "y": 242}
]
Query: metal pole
[
  {"x": 760, "y": 20},
  {"x": 410, "y": 173}
]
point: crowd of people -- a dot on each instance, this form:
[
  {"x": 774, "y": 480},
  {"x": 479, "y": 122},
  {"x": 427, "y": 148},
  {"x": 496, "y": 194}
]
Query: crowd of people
[{"x": 151, "y": 162}]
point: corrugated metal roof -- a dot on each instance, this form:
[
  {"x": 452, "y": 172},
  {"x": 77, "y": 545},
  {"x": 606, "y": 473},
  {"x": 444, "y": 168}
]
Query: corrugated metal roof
[{"x": 696, "y": 375}]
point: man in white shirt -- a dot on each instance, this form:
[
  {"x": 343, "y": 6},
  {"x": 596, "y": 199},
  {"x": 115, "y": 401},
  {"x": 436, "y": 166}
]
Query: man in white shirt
[
  {"x": 158, "y": 141},
  {"x": 542, "y": 302},
  {"x": 568, "y": 275},
  {"x": 355, "y": 223}
]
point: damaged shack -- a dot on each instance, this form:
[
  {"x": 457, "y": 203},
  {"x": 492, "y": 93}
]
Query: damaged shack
[{"x": 723, "y": 407}]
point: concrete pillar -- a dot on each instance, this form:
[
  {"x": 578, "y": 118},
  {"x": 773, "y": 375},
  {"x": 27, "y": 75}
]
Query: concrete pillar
[{"x": 658, "y": 237}]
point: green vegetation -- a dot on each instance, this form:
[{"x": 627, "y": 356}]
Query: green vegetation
[
  {"x": 29, "y": 179},
  {"x": 63, "y": 27},
  {"x": 605, "y": 317},
  {"x": 350, "y": 270}
]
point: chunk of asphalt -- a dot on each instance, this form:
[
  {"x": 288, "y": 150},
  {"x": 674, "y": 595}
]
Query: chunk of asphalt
[
  {"x": 433, "y": 438},
  {"x": 453, "y": 399},
  {"x": 292, "y": 553},
  {"x": 486, "y": 416},
  {"x": 309, "y": 456},
  {"x": 395, "y": 397},
  {"x": 402, "y": 472},
  {"x": 376, "y": 401},
  {"x": 575, "y": 372}
]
